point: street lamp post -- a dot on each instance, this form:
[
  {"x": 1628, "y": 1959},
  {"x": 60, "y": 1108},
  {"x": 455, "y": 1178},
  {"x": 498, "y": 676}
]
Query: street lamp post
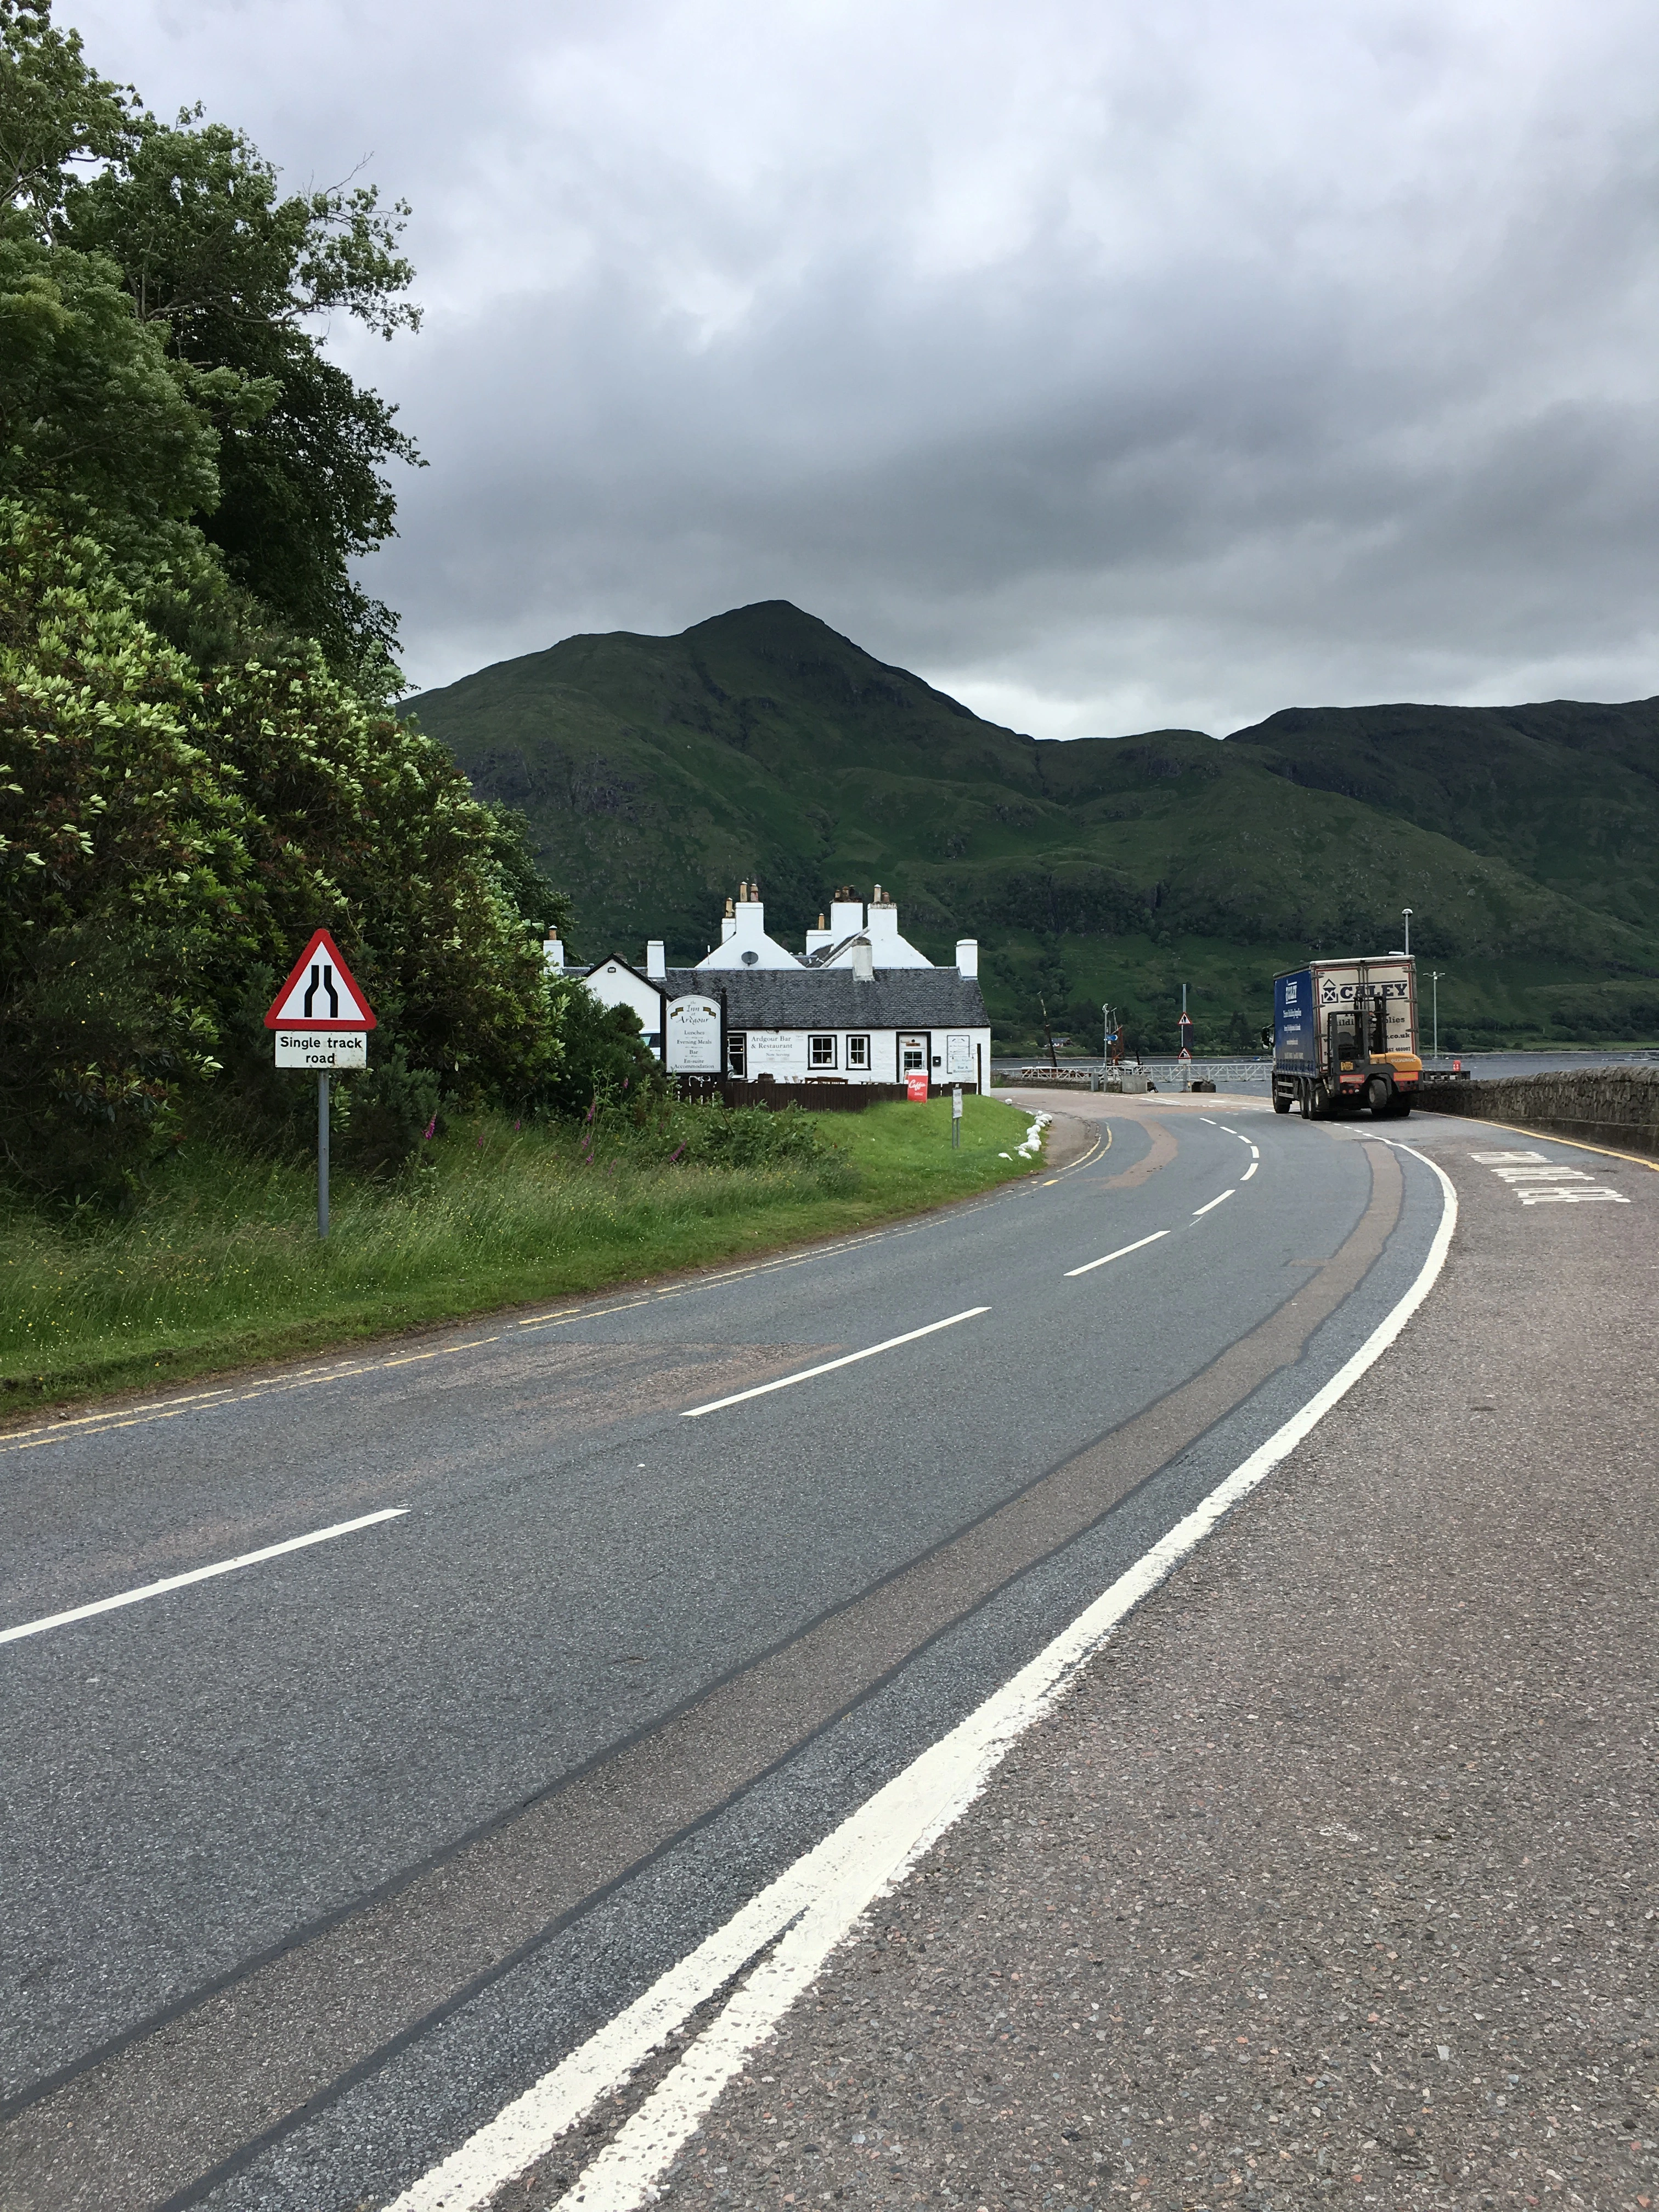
[
  {"x": 1408, "y": 932},
  {"x": 1434, "y": 979}
]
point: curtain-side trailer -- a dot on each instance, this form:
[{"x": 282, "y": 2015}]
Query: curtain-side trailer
[{"x": 1345, "y": 1036}]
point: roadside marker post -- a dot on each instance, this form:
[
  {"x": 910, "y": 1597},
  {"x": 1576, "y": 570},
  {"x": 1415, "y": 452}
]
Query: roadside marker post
[{"x": 320, "y": 1020}]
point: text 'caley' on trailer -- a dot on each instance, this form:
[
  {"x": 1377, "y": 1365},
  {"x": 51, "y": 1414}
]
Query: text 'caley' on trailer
[{"x": 1345, "y": 1036}]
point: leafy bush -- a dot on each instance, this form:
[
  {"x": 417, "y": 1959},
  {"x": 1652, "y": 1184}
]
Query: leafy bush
[
  {"x": 168, "y": 839},
  {"x": 753, "y": 1137},
  {"x": 606, "y": 1063}
]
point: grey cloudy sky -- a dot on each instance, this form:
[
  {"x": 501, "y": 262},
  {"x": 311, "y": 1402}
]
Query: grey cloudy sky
[{"x": 1113, "y": 365}]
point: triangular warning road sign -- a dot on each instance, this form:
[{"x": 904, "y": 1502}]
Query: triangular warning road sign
[{"x": 321, "y": 993}]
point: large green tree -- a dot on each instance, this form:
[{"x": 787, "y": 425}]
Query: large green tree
[
  {"x": 239, "y": 278},
  {"x": 214, "y": 385}
]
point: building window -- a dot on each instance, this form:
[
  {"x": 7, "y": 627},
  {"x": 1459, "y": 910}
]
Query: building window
[
  {"x": 820, "y": 1052},
  {"x": 735, "y": 1053},
  {"x": 858, "y": 1052}
]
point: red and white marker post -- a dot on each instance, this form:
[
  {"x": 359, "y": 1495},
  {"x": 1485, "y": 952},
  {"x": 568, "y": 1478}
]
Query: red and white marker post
[{"x": 321, "y": 1020}]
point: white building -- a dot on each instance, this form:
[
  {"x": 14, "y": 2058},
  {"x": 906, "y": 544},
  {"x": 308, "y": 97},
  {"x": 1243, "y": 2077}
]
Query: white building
[{"x": 860, "y": 1005}]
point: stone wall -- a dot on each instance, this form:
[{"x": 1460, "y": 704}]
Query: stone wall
[{"x": 1616, "y": 1106}]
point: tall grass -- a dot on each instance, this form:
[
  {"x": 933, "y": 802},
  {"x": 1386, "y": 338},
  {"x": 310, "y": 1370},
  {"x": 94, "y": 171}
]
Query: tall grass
[{"x": 221, "y": 1261}]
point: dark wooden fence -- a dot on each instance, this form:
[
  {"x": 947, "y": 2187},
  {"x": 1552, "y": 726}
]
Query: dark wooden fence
[{"x": 816, "y": 1097}]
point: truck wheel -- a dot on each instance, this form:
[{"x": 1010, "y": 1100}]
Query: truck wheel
[
  {"x": 1376, "y": 1095},
  {"x": 1281, "y": 1105}
]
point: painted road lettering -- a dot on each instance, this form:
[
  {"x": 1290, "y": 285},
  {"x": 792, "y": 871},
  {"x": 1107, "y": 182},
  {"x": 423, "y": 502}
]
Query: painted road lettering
[{"x": 1536, "y": 1181}]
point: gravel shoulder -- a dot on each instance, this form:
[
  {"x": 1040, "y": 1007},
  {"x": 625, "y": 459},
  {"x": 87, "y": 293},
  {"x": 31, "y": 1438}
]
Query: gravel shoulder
[{"x": 1335, "y": 1879}]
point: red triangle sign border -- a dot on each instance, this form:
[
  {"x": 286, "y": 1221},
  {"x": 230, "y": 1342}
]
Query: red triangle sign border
[{"x": 323, "y": 943}]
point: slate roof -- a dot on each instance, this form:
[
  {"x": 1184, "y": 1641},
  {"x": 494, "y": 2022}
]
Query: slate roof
[{"x": 835, "y": 998}]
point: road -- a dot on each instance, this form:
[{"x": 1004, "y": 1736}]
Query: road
[
  {"x": 1335, "y": 1879},
  {"x": 306, "y": 1868}
]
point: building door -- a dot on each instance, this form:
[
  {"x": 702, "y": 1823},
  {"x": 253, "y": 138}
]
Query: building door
[{"x": 913, "y": 1055}]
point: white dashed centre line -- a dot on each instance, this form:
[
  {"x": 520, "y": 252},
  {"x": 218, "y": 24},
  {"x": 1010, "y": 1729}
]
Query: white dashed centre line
[
  {"x": 1121, "y": 1253},
  {"x": 197, "y": 1575},
  {"x": 1213, "y": 1203},
  {"x": 829, "y": 1366}
]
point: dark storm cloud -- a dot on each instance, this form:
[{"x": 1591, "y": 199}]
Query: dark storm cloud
[{"x": 1114, "y": 366}]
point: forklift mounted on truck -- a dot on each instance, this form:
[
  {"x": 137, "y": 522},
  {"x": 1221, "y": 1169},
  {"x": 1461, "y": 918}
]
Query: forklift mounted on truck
[{"x": 1345, "y": 1037}]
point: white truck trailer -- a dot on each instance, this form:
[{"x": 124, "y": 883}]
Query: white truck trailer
[{"x": 1345, "y": 1036}]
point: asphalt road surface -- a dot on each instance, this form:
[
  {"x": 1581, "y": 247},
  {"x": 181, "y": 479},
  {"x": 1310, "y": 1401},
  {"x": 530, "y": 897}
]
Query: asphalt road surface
[
  {"x": 306, "y": 1867},
  {"x": 1336, "y": 1878}
]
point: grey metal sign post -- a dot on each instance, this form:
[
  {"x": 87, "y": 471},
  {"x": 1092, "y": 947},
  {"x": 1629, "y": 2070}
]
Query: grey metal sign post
[{"x": 321, "y": 1020}]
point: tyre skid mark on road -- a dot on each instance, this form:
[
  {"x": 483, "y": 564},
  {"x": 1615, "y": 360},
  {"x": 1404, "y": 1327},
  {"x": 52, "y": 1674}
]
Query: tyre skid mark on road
[
  {"x": 872, "y": 1851},
  {"x": 434, "y": 1937}
]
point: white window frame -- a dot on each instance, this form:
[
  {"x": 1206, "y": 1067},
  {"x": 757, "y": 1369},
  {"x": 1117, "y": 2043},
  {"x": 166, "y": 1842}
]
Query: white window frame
[
  {"x": 817, "y": 1057},
  {"x": 858, "y": 1055}
]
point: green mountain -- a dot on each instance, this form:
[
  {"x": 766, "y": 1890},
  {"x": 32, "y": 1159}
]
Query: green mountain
[{"x": 658, "y": 771}]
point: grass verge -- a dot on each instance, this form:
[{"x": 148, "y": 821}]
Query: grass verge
[{"x": 220, "y": 1264}]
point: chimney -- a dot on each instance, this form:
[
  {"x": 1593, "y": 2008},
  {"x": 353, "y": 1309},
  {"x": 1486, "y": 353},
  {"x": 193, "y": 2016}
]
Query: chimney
[
  {"x": 728, "y": 922},
  {"x": 882, "y": 925},
  {"x": 553, "y": 955},
  {"x": 968, "y": 955},
  {"x": 846, "y": 915},
  {"x": 655, "y": 966},
  {"x": 864, "y": 965}
]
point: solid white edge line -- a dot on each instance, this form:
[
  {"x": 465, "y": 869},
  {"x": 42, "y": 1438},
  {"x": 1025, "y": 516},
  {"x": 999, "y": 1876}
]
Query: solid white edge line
[
  {"x": 197, "y": 1575},
  {"x": 824, "y": 1893},
  {"x": 1122, "y": 1252},
  {"x": 1214, "y": 1202},
  {"x": 829, "y": 1366}
]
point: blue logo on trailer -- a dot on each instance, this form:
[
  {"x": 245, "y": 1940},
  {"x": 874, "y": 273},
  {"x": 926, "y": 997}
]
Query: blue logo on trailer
[{"x": 1293, "y": 1019}]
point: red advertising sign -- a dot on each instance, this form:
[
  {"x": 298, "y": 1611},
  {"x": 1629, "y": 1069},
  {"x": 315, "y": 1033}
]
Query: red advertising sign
[{"x": 916, "y": 1085}]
